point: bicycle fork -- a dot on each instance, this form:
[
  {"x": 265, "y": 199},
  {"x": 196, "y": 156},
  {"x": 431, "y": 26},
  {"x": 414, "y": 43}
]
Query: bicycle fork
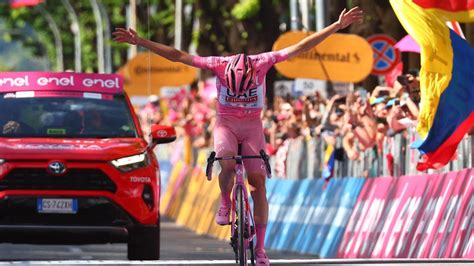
[{"x": 249, "y": 223}]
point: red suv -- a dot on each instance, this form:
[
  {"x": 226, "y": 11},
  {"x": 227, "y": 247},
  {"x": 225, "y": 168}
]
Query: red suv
[{"x": 74, "y": 165}]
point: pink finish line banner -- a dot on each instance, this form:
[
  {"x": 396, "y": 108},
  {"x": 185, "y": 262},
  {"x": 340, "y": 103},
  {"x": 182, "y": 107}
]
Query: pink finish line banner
[
  {"x": 427, "y": 216},
  {"x": 60, "y": 81}
]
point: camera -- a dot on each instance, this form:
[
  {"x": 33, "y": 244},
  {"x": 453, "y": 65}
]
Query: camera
[{"x": 402, "y": 79}]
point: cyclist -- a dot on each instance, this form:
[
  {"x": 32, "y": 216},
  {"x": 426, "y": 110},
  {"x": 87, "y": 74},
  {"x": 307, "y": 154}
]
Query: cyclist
[{"x": 241, "y": 93}]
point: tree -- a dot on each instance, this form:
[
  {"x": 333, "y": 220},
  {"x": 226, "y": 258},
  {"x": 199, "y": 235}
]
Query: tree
[
  {"x": 18, "y": 28},
  {"x": 155, "y": 20},
  {"x": 225, "y": 27}
]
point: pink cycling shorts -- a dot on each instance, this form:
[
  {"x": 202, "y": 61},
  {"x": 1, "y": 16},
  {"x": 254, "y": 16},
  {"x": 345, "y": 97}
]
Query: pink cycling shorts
[{"x": 229, "y": 131}]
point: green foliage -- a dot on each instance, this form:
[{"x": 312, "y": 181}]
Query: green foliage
[
  {"x": 20, "y": 25},
  {"x": 6, "y": 69},
  {"x": 246, "y": 9},
  {"x": 30, "y": 27},
  {"x": 224, "y": 26}
]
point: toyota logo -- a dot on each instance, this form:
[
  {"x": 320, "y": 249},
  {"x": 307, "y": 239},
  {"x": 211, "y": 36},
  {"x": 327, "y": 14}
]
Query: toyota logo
[
  {"x": 56, "y": 168},
  {"x": 162, "y": 133}
]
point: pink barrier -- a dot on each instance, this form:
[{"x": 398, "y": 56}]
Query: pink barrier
[
  {"x": 462, "y": 241},
  {"x": 426, "y": 216}
]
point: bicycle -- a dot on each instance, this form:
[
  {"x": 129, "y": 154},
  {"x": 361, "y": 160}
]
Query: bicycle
[{"x": 242, "y": 222}]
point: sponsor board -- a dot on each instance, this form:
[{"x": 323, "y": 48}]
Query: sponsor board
[
  {"x": 425, "y": 216},
  {"x": 340, "y": 57},
  {"x": 146, "y": 73},
  {"x": 63, "y": 81}
]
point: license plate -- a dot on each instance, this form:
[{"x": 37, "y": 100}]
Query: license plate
[{"x": 50, "y": 205}]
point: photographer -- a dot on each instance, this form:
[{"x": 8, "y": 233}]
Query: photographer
[{"x": 408, "y": 88}]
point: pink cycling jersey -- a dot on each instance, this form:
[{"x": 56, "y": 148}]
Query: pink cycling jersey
[
  {"x": 238, "y": 116},
  {"x": 252, "y": 101}
]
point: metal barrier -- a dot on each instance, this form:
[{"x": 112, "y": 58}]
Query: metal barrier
[{"x": 305, "y": 157}]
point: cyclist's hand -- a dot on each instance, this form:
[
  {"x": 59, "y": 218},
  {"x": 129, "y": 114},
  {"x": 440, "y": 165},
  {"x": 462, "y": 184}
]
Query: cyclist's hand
[
  {"x": 346, "y": 18},
  {"x": 127, "y": 36}
]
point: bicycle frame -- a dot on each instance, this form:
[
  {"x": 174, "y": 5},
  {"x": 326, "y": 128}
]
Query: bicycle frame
[
  {"x": 248, "y": 216},
  {"x": 240, "y": 185}
]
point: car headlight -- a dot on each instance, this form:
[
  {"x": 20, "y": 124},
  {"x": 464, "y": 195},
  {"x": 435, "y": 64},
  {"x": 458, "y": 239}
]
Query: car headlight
[
  {"x": 2, "y": 161},
  {"x": 127, "y": 164}
]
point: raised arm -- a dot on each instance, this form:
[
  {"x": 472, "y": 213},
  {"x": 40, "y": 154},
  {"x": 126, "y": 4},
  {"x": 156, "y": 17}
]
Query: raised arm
[
  {"x": 346, "y": 18},
  {"x": 130, "y": 36}
]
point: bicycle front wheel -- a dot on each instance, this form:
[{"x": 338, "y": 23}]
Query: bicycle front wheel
[{"x": 241, "y": 226}]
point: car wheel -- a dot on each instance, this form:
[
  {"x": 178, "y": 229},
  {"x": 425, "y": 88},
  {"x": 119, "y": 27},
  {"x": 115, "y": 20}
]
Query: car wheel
[{"x": 144, "y": 243}]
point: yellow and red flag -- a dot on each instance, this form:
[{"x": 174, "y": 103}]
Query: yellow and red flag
[
  {"x": 448, "y": 10},
  {"x": 446, "y": 75}
]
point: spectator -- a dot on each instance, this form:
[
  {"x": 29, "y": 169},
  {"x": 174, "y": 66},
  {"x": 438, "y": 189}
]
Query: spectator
[
  {"x": 352, "y": 123},
  {"x": 150, "y": 113}
]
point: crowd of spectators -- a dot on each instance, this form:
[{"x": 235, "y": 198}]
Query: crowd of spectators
[{"x": 362, "y": 118}]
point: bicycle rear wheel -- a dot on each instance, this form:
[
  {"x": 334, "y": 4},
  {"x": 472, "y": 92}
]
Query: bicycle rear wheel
[{"x": 241, "y": 226}]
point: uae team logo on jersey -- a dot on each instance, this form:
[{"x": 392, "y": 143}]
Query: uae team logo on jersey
[{"x": 250, "y": 96}]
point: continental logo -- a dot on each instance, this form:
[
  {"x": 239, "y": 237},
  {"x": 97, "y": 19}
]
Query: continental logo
[
  {"x": 340, "y": 57},
  {"x": 170, "y": 69},
  {"x": 159, "y": 71},
  {"x": 331, "y": 57}
]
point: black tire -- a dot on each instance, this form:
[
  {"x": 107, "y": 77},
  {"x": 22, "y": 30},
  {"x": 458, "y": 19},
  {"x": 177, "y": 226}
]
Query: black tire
[
  {"x": 144, "y": 243},
  {"x": 241, "y": 227},
  {"x": 252, "y": 254}
]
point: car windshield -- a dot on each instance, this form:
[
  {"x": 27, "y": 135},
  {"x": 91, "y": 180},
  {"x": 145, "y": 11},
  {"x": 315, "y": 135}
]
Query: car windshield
[{"x": 65, "y": 117}]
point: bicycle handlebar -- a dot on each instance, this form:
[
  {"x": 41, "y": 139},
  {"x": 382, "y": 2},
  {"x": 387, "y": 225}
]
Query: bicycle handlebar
[
  {"x": 210, "y": 162},
  {"x": 265, "y": 158},
  {"x": 212, "y": 158}
]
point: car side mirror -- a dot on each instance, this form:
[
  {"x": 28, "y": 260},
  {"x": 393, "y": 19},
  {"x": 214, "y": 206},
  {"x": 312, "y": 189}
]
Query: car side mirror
[{"x": 162, "y": 134}]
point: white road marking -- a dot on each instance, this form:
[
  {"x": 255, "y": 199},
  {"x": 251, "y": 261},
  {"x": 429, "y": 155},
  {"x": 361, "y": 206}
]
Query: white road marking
[{"x": 232, "y": 262}]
